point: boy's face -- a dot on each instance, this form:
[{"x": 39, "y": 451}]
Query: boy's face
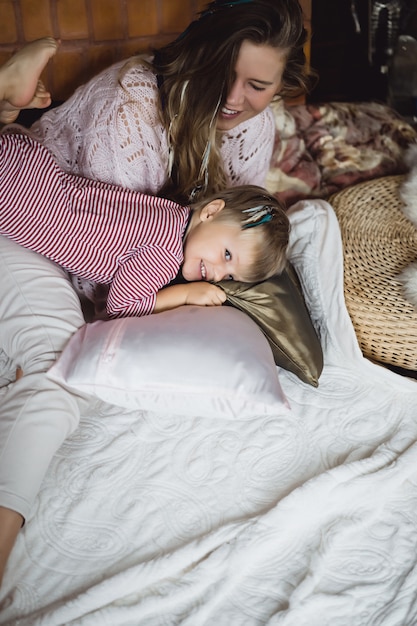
[{"x": 214, "y": 251}]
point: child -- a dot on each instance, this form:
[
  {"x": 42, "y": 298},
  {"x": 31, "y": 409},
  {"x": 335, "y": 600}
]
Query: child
[{"x": 133, "y": 242}]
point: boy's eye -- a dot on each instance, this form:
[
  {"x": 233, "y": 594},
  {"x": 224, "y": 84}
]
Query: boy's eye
[
  {"x": 227, "y": 255},
  {"x": 229, "y": 277}
]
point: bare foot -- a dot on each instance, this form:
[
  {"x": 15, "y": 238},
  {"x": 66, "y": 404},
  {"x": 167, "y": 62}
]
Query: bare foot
[
  {"x": 40, "y": 100},
  {"x": 20, "y": 87},
  {"x": 10, "y": 524}
]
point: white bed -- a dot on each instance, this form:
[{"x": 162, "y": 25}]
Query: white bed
[{"x": 307, "y": 517}]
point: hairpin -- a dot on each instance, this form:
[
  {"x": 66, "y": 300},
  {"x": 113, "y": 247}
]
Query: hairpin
[
  {"x": 213, "y": 8},
  {"x": 219, "y": 4},
  {"x": 231, "y": 3},
  {"x": 258, "y": 215}
]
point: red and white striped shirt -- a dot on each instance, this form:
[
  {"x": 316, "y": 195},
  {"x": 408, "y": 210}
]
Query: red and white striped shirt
[{"x": 128, "y": 240}]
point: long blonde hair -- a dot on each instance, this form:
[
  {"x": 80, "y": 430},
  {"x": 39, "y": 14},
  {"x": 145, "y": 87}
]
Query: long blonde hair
[{"x": 195, "y": 73}]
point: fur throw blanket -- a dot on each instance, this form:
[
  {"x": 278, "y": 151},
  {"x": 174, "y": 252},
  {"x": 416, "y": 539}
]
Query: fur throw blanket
[{"x": 408, "y": 194}]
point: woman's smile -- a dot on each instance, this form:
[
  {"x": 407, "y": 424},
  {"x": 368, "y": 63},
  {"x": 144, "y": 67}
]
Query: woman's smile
[
  {"x": 258, "y": 75},
  {"x": 228, "y": 113}
]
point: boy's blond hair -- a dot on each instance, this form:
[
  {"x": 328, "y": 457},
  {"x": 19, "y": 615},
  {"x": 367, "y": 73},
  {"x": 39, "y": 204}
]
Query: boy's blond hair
[{"x": 264, "y": 224}]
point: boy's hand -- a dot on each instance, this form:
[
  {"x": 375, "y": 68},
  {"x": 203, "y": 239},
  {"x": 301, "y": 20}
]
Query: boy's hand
[
  {"x": 200, "y": 293},
  {"x": 204, "y": 294}
]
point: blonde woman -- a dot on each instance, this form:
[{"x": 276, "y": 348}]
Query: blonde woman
[{"x": 194, "y": 117}]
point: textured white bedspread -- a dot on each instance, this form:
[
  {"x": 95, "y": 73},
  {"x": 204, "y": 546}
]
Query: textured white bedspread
[{"x": 306, "y": 519}]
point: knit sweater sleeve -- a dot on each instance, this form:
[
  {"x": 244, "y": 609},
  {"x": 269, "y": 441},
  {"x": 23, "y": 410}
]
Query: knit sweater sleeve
[
  {"x": 110, "y": 130},
  {"x": 247, "y": 150}
]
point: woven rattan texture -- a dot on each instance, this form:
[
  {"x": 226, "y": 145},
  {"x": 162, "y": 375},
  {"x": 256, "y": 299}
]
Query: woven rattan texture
[{"x": 378, "y": 242}]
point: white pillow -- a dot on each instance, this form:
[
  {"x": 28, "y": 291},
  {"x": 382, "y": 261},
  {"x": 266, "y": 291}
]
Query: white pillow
[{"x": 194, "y": 361}]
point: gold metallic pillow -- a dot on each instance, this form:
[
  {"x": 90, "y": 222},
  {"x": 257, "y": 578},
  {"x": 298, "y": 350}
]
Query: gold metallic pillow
[{"x": 277, "y": 306}]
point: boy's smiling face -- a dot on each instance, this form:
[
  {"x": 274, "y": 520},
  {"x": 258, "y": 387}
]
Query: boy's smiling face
[{"x": 214, "y": 251}]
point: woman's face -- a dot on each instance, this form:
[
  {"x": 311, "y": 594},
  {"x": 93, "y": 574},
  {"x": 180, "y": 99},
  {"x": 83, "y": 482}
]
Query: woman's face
[{"x": 258, "y": 75}]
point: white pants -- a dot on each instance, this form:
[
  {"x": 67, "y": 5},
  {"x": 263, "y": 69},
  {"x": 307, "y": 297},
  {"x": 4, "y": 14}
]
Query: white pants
[{"x": 39, "y": 311}]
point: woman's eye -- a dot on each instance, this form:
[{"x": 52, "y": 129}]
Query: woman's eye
[
  {"x": 227, "y": 255},
  {"x": 256, "y": 88}
]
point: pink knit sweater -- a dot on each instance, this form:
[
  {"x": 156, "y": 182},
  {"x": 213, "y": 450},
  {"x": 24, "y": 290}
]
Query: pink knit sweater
[{"x": 109, "y": 130}]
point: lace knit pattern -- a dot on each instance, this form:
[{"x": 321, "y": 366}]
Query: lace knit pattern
[{"x": 110, "y": 130}]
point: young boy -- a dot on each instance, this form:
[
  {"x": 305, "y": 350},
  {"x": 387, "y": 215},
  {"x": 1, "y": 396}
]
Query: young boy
[{"x": 135, "y": 243}]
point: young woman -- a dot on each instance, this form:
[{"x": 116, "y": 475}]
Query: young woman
[{"x": 194, "y": 118}]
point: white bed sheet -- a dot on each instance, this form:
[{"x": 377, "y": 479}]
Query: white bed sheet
[{"x": 306, "y": 519}]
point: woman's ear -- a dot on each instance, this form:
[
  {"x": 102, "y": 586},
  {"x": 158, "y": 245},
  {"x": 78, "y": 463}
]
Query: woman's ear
[{"x": 210, "y": 210}]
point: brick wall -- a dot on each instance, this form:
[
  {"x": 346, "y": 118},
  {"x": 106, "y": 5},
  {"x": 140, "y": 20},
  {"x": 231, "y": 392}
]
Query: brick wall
[{"x": 94, "y": 33}]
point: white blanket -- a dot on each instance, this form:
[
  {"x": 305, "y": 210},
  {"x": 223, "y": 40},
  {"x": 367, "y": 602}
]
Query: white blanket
[{"x": 306, "y": 519}]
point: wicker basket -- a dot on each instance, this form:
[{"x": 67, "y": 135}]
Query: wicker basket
[{"x": 378, "y": 242}]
